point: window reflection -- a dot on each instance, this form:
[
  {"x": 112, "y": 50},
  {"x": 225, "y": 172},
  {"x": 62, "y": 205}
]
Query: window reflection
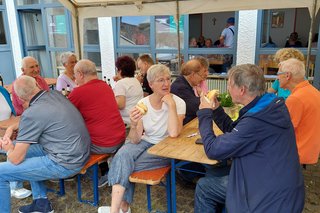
[
  {"x": 25, "y": 2},
  {"x": 166, "y": 32},
  {"x": 134, "y": 30},
  {"x": 91, "y": 31},
  {"x": 57, "y": 29},
  {"x": 3, "y": 39}
]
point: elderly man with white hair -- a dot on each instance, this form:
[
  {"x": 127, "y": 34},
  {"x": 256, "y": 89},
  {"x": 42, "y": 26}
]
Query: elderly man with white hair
[
  {"x": 303, "y": 105},
  {"x": 51, "y": 144}
]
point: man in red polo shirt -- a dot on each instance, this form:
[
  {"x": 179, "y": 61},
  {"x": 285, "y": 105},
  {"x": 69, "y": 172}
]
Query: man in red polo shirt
[{"x": 96, "y": 102}]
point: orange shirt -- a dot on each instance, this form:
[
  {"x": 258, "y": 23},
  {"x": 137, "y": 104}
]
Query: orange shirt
[{"x": 304, "y": 108}]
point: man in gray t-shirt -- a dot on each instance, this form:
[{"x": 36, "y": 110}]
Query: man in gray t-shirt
[{"x": 52, "y": 143}]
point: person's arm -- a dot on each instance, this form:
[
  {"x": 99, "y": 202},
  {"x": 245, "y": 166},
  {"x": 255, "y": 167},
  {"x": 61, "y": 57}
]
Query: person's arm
[
  {"x": 175, "y": 121},
  {"x": 121, "y": 101},
  {"x": 15, "y": 153},
  {"x": 271, "y": 90},
  {"x": 13, "y": 128},
  {"x": 136, "y": 126}
]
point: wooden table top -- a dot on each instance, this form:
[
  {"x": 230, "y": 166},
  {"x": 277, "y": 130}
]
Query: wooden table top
[
  {"x": 50, "y": 82},
  {"x": 184, "y": 146},
  {"x": 6, "y": 123}
]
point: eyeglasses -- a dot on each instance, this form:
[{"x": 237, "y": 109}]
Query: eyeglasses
[
  {"x": 281, "y": 73},
  {"x": 162, "y": 80}
]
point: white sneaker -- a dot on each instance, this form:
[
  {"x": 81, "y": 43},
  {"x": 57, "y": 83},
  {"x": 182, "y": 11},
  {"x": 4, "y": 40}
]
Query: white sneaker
[
  {"x": 20, "y": 193},
  {"x": 104, "y": 209},
  {"x": 107, "y": 209}
]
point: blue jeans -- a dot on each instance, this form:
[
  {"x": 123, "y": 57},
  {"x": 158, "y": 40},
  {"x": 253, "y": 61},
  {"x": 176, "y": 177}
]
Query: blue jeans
[
  {"x": 211, "y": 190},
  {"x": 36, "y": 168},
  {"x": 132, "y": 158}
]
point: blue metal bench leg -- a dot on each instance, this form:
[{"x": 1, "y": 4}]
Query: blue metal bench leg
[
  {"x": 168, "y": 190},
  {"x": 61, "y": 186},
  {"x": 95, "y": 201},
  {"x": 149, "y": 198}
]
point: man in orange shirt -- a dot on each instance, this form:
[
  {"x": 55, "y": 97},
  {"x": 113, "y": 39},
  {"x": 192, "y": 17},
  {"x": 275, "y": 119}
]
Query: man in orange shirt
[{"x": 303, "y": 105}]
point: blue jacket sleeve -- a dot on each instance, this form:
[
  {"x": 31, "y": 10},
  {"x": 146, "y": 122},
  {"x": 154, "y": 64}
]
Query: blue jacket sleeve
[{"x": 239, "y": 142}]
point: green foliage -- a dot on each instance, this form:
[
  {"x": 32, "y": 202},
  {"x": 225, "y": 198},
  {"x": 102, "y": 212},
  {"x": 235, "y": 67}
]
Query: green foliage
[{"x": 225, "y": 100}]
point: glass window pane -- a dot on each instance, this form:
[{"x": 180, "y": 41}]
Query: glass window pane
[
  {"x": 32, "y": 24},
  {"x": 25, "y": 2},
  {"x": 57, "y": 27},
  {"x": 91, "y": 31},
  {"x": 57, "y": 67},
  {"x": 1, "y": 3},
  {"x": 134, "y": 30},
  {"x": 216, "y": 62},
  {"x": 278, "y": 29},
  {"x": 135, "y": 56},
  {"x": 3, "y": 39},
  {"x": 170, "y": 60},
  {"x": 166, "y": 32}
]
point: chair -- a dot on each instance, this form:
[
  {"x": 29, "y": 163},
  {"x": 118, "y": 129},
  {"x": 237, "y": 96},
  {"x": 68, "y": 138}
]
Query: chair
[{"x": 151, "y": 178}]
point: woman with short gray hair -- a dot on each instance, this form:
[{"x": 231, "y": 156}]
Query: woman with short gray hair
[{"x": 66, "y": 79}]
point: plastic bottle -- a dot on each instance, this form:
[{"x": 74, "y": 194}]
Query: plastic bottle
[
  {"x": 68, "y": 88},
  {"x": 109, "y": 82},
  {"x": 64, "y": 92},
  {"x": 105, "y": 79}
]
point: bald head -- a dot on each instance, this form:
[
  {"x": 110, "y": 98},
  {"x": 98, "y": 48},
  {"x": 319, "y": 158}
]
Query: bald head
[
  {"x": 84, "y": 71},
  {"x": 25, "y": 87},
  {"x": 30, "y": 66}
]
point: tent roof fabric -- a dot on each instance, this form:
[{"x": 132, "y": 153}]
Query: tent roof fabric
[{"x": 112, "y": 8}]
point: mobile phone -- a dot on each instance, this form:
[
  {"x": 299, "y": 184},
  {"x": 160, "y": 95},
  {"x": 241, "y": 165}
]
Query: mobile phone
[{"x": 199, "y": 141}]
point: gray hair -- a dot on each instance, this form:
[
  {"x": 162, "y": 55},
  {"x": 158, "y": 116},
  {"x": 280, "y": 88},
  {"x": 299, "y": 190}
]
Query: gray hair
[
  {"x": 23, "y": 62},
  {"x": 250, "y": 76},
  {"x": 86, "y": 66},
  {"x": 155, "y": 70},
  {"x": 25, "y": 86},
  {"x": 65, "y": 56},
  {"x": 294, "y": 66}
]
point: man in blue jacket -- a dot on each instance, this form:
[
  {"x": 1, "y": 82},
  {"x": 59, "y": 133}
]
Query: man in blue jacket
[{"x": 265, "y": 174}]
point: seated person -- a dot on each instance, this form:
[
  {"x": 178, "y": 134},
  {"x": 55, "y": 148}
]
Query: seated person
[
  {"x": 193, "y": 42},
  {"x": 293, "y": 40},
  {"x": 51, "y": 144},
  {"x": 6, "y": 112},
  {"x": 144, "y": 62},
  {"x": 163, "y": 118},
  {"x": 201, "y": 41},
  {"x": 265, "y": 173},
  {"x": 192, "y": 74},
  {"x": 68, "y": 60},
  {"x": 282, "y": 55},
  {"x": 127, "y": 90},
  {"x": 30, "y": 67},
  {"x": 208, "y": 43},
  {"x": 96, "y": 102}
]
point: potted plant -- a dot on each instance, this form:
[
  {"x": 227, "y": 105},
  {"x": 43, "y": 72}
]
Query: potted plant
[{"x": 229, "y": 107}]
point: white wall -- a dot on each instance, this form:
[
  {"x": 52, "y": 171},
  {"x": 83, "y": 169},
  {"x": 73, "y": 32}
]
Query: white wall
[{"x": 247, "y": 30}]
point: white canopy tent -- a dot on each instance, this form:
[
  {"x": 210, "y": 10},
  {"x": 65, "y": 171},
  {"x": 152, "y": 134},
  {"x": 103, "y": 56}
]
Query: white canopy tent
[{"x": 82, "y": 9}]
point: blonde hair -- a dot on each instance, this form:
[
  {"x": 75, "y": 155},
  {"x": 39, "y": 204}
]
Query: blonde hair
[{"x": 287, "y": 53}]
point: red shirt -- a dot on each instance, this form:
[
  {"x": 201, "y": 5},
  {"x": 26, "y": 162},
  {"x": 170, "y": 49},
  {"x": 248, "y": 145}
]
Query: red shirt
[{"x": 96, "y": 102}]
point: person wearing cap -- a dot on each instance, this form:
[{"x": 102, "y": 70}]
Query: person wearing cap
[{"x": 227, "y": 34}]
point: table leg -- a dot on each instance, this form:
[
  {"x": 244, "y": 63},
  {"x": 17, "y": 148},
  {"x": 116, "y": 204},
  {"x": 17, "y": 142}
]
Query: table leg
[{"x": 173, "y": 186}]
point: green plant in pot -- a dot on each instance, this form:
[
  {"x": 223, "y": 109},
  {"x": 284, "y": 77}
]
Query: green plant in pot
[{"x": 229, "y": 107}]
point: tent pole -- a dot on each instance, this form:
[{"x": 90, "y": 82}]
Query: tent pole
[
  {"x": 178, "y": 35},
  {"x": 313, "y": 14},
  {"x": 78, "y": 33}
]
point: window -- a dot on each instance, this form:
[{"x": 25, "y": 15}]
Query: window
[
  {"x": 3, "y": 39},
  {"x": 57, "y": 29},
  {"x": 26, "y": 2},
  {"x": 91, "y": 31},
  {"x": 166, "y": 32},
  {"x": 134, "y": 30}
]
